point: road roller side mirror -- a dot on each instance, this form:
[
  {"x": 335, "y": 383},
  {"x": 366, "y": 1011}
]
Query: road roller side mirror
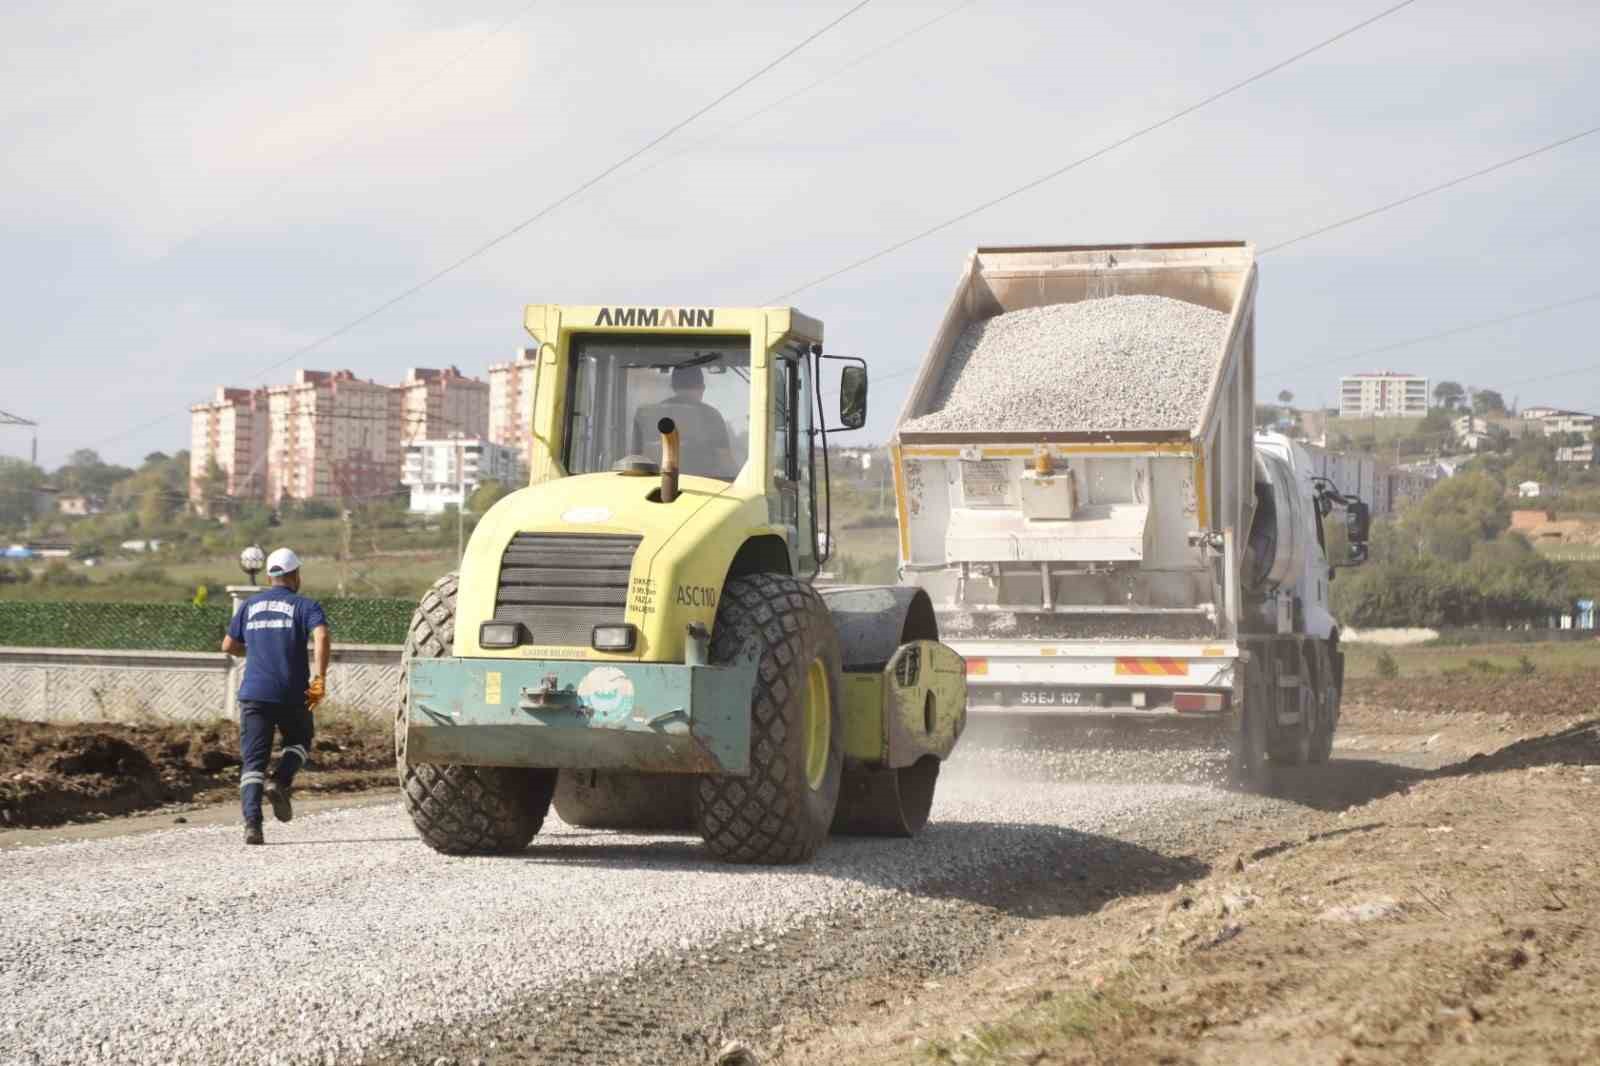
[{"x": 853, "y": 397}]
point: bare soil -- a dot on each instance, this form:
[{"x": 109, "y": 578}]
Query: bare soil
[
  {"x": 1503, "y": 695},
  {"x": 1405, "y": 912},
  {"x": 52, "y": 774}
]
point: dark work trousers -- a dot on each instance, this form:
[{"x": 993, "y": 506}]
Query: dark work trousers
[{"x": 257, "y": 720}]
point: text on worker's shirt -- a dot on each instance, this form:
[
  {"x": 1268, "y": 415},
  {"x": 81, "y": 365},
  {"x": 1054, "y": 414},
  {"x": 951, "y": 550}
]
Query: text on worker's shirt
[{"x": 270, "y": 607}]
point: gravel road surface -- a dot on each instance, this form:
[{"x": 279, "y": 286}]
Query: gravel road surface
[{"x": 346, "y": 937}]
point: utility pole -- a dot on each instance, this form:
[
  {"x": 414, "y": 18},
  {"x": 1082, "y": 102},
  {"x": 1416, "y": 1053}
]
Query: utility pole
[
  {"x": 7, "y": 419},
  {"x": 883, "y": 477},
  {"x": 345, "y": 537},
  {"x": 461, "y": 508}
]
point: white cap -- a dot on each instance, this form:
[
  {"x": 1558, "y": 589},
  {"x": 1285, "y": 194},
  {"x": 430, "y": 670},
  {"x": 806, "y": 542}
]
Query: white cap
[{"x": 283, "y": 561}]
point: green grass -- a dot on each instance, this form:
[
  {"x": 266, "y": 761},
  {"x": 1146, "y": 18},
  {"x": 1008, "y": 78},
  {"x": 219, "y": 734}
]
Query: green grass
[
  {"x": 867, "y": 541},
  {"x": 1429, "y": 660},
  {"x": 402, "y": 574},
  {"x": 1081, "y": 1016},
  {"x": 1384, "y": 429},
  {"x": 1570, "y": 553}
]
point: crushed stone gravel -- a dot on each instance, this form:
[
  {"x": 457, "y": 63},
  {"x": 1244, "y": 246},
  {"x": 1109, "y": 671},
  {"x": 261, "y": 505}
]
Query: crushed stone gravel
[
  {"x": 346, "y": 934},
  {"x": 1116, "y": 363}
]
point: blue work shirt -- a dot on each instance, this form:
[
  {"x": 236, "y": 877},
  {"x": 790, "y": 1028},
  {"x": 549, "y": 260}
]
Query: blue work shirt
[{"x": 274, "y": 626}]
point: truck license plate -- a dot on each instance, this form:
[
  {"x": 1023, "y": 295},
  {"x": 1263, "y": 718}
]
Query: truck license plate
[{"x": 1049, "y": 697}]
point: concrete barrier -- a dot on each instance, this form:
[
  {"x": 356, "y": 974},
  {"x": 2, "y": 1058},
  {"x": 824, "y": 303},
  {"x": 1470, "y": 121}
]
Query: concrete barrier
[{"x": 78, "y": 685}]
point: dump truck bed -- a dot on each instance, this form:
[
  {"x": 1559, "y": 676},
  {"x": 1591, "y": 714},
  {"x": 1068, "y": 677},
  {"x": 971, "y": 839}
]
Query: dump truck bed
[{"x": 1066, "y": 558}]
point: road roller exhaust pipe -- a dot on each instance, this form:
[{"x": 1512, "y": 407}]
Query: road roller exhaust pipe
[{"x": 669, "y": 459}]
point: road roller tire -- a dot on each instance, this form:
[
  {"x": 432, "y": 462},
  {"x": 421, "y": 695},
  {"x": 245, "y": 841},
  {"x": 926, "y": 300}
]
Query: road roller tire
[
  {"x": 430, "y": 636},
  {"x": 462, "y": 810},
  {"x": 780, "y": 812},
  {"x": 477, "y": 810}
]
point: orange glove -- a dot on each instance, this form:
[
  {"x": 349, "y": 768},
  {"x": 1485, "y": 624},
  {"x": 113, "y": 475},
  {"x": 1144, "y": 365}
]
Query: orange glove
[{"x": 317, "y": 692}]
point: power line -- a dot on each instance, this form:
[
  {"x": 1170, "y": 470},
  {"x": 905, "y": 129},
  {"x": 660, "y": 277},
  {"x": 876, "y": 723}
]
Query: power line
[
  {"x": 848, "y": 66},
  {"x": 1452, "y": 183},
  {"x": 559, "y": 202},
  {"x": 1411, "y": 198},
  {"x": 405, "y": 97},
  {"x": 1548, "y": 377},
  {"x": 1469, "y": 327},
  {"x": 344, "y": 140},
  {"x": 506, "y": 235},
  {"x": 1096, "y": 154}
]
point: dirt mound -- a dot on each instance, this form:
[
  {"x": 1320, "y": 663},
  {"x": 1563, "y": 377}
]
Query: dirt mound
[
  {"x": 52, "y": 773},
  {"x": 1556, "y": 695},
  {"x": 1578, "y": 746},
  {"x": 1449, "y": 922}
]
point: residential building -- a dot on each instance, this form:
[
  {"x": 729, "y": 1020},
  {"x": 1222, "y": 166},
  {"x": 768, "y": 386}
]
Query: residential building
[
  {"x": 1528, "y": 490},
  {"x": 1578, "y": 455},
  {"x": 44, "y": 500},
  {"x": 1383, "y": 395},
  {"x": 1408, "y": 484},
  {"x": 511, "y": 393},
  {"x": 440, "y": 403},
  {"x": 333, "y": 436},
  {"x": 1557, "y": 423},
  {"x": 230, "y": 430},
  {"x": 445, "y": 471},
  {"x": 1354, "y": 473},
  {"x": 1539, "y": 413},
  {"x": 78, "y": 506}
]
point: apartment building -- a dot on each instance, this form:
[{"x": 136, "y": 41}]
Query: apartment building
[
  {"x": 333, "y": 435},
  {"x": 440, "y": 403},
  {"x": 511, "y": 403},
  {"x": 1559, "y": 423},
  {"x": 446, "y": 471},
  {"x": 230, "y": 430},
  {"x": 1354, "y": 473},
  {"x": 1383, "y": 395}
]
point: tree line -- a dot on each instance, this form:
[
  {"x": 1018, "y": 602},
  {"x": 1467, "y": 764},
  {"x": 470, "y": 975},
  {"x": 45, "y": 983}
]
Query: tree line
[{"x": 1451, "y": 559}]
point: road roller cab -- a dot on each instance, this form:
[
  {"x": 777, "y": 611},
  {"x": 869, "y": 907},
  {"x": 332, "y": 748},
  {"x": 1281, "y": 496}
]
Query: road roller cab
[{"x": 634, "y": 636}]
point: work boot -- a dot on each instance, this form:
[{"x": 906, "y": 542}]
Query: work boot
[
  {"x": 253, "y": 835},
  {"x": 278, "y": 796}
]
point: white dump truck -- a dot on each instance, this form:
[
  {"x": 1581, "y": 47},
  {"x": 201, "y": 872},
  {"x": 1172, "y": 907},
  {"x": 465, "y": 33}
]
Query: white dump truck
[{"x": 1082, "y": 493}]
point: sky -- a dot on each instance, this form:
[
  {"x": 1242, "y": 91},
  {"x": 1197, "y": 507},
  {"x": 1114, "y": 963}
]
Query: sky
[{"x": 192, "y": 192}]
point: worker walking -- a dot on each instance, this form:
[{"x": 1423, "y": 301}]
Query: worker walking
[{"x": 279, "y": 690}]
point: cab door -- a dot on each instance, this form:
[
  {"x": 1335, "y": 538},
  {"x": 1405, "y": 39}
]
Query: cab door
[{"x": 792, "y": 420}]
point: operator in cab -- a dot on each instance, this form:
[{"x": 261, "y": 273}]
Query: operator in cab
[
  {"x": 279, "y": 691},
  {"x": 706, "y": 448}
]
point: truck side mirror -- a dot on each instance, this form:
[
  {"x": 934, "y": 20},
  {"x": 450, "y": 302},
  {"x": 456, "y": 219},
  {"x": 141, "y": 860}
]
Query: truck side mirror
[
  {"x": 1357, "y": 529},
  {"x": 853, "y": 397}
]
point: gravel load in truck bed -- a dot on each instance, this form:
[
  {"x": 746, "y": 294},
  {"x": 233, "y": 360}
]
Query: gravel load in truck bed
[{"x": 1122, "y": 362}]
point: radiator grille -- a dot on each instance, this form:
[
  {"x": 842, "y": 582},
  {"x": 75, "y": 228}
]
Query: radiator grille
[{"x": 561, "y": 585}]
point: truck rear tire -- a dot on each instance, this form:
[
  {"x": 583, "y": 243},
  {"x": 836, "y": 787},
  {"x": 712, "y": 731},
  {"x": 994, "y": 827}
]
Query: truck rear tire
[
  {"x": 1290, "y": 745},
  {"x": 462, "y": 810},
  {"x": 1326, "y": 685},
  {"x": 1250, "y": 769},
  {"x": 781, "y": 811}
]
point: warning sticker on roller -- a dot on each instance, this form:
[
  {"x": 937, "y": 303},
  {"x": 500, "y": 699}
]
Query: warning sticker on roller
[{"x": 984, "y": 482}]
